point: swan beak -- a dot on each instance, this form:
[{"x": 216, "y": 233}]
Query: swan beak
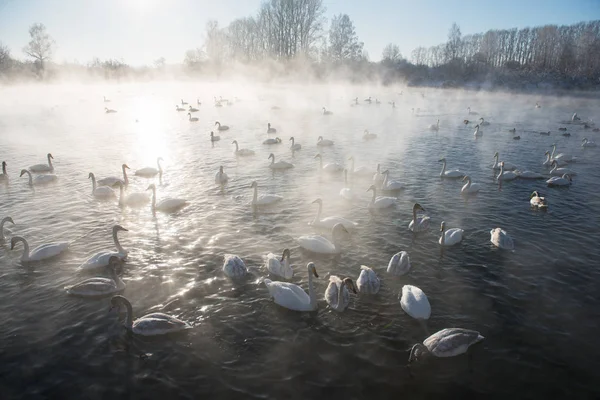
[{"x": 315, "y": 273}]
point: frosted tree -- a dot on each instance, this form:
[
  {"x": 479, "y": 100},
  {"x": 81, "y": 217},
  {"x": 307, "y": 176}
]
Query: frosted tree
[
  {"x": 343, "y": 40},
  {"x": 41, "y": 45}
]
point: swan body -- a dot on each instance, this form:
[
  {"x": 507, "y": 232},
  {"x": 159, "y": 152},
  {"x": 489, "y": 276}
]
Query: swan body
[
  {"x": 337, "y": 294},
  {"x": 435, "y": 127},
  {"x": 537, "y": 201},
  {"x": 39, "y": 179},
  {"x": 177, "y": 108},
  {"x": 500, "y": 239},
  {"x": 470, "y": 188},
  {"x": 279, "y": 164},
  {"x": 419, "y": 223},
  {"x": 166, "y": 205},
  {"x": 42, "y": 252},
  {"x": 101, "y": 192},
  {"x": 330, "y": 222},
  {"x": 279, "y": 267},
  {"x": 292, "y": 296},
  {"x": 451, "y": 174},
  {"x": 361, "y": 172},
  {"x": 263, "y": 199},
  {"x": 346, "y": 192},
  {"x": 270, "y": 129},
  {"x": 507, "y": 166},
  {"x": 529, "y": 175},
  {"x": 324, "y": 142},
  {"x": 4, "y": 221},
  {"x": 192, "y": 109},
  {"x": 561, "y": 156},
  {"x": 448, "y": 342},
  {"x": 154, "y": 324},
  {"x": 99, "y": 287},
  {"x": 326, "y": 112},
  {"x": 399, "y": 264},
  {"x": 242, "y": 152},
  {"x": 221, "y": 177},
  {"x": 369, "y": 136},
  {"x": 234, "y": 266},
  {"x": 483, "y": 122},
  {"x": 472, "y": 112},
  {"x": 150, "y": 172},
  {"x": 506, "y": 175},
  {"x": 415, "y": 303},
  {"x": 561, "y": 171},
  {"x": 295, "y": 146},
  {"x": 320, "y": 244},
  {"x": 389, "y": 185},
  {"x": 113, "y": 180},
  {"x": 221, "y": 127},
  {"x": 330, "y": 168},
  {"x": 367, "y": 282},
  {"x": 565, "y": 180},
  {"x": 477, "y": 133},
  {"x": 102, "y": 258},
  {"x": 549, "y": 161},
  {"x": 132, "y": 199},
  {"x": 192, "y": 119},
  {"x": 214, "y": 138},
  {"x": 451, "y": 236},
  {"x": 272, "y": 141},
  {"x": 43, "y": 167},
  {"x": 379, "y": 202},
  {"x": 584, "y": 143}
]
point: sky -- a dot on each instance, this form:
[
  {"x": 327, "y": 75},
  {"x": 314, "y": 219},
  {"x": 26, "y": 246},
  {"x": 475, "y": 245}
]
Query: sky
[{"x": 141, "y": 31}]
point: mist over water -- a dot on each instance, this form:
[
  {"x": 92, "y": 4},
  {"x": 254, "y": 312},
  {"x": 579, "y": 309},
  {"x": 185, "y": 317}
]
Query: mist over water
[{"x": 536, "y": 306}]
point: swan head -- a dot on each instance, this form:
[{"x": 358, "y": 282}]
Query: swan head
[
  {"x": 312, "y": 269},
  {"x": 534, "y": 194},
  {"x": 351, "y": 158},
  {"x": 417, "y": 206},
  {"x": 496, "y": 153},
  {"x": 152, "y": 187},
  {"x": 221, "y": 169},
  {"x": 217, "y": 123},
  {"x": 234, "y": 142},
  {"x": 50, "y": 156},
  {"x": 3, "y": 164},
  {"x": 23, "y": 172},
  {"x": 443, "y": 159},
  {"x": 278, "y": 140},
  {"x": 286, "y": 254},
  {"x": 553, "y": 145},
  {"x": 318, "y": 156},
  {"x": 292, "y": 138},
  {"x": 13, "y": 241},
  {"x": 254, "y": 185},
  {"x": 350, "y": 285},
  {"x": 91, "y": 175},
  {"x": 159, "y": 159},
  {"x": 318, "y": 201},
  {"x": 372, "y": 187},
  {"x": 547, "y": 153},
  {"x": 9, "y": 219},
  {"x": 442, "y": 226},
  {"x": 125, "y": 166},
  {"x": 319, "y": 138},
  {"x": 272, "y": 156},
  {"x": 116, "y": 301}
]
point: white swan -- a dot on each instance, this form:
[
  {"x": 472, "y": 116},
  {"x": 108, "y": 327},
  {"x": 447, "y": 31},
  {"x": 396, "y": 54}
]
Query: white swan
[
  {"x": 337, "y": 294},
  {"x": 500, "y": 239},
  {"x": 320, "y": 244},
  {"x": 378, "y": 176},
  {"x": 451, "y": 174},
  {"x": 482, "y": 122},
  {"x": 419, "y": 223},
  {"x": 565, "y": 180},
  {"x": 221, "y": 177},
  {"x": 166, "y": 205},
  {"x": 548, "y": 162},
  {"x": 39, "y": 179},
  {"x": 529, "y": 175},
  {"x": 151, "y": 324},
  {"x": 470, "y": 188},
  {"x": 184, "y": 103},
  {"x": 415, "y": 303},
  {"x": 263, "y": 199},
  {"x": 221, "y": 127},
  {"x": 584, "y": 143},
  {"x": 277, "y": 267},
  {"x": 99, "y": 287},
  {"x": 234, "y": 266},
  {"x": 330, "y": 222},
  {"x": 330, "y": 168},
  {"x": 379, "y": 202},
  {"x": 279, "y": 164},
  {"x": 177, "y": 108},
  {"x": 271, "y": 130},
  {"x": 113, "y": 180},
  {"x": 451, "y": 236},
  {"x": 192, "y": 119},
  {"x": 43, "y": 167},
  {"x": 101, "y": 192},
  {"x": 132, "y": 199},
  {"x": 506, "y": 175},
  {"x": 388, "y": 185},
  {"x": 346, "y": 192},
  {"x": 537, "y": 201},
  {"x": 109, "y": 110},
  {"x": 295, "y": 146},
  {"x": 4, "y": 220},
  {"x": 575, "y": 117},
  {"x": 242, "y": 152},
  {"x": 324, "y": 142},
  {"x": 361, "y": 172},
  {"x": 42, "y": 252},
  {"x": 507, "y": 166},
  {"x": 4, "y": 175},
  {"x": 399, "y": 264},
  {"x": 435, "y": 127},
  {"x": 102, "y": 258},
  {"x": 478, "y": 132},
  {"x": 448, "y": 342},
  {"x": 272, "y": 141},
  {"x": 214, "y": 138},
  {"x": 326, "y": 112},
  {"x": 150, "y": 172},
  {"x": 472, "y": 112},
  {"x": 561, "y": 156},
  {"x": 292, "y": 296},
  {"x": 192, "y": 109},
  {"x": 369, "y": 136},
  {"x": 367, "y": 282},
  {"x": 555, "y": 171}
]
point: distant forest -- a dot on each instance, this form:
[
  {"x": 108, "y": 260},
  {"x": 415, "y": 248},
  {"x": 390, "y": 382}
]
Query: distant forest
[{"x": 293, "y": 39}]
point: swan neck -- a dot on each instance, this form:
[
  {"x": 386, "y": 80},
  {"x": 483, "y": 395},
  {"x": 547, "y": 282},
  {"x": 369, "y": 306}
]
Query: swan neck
[
  {"x": 2, "y": 228},
  {"x": 554, "y": 167},
  {"x": 443, "y": 238},
  {"x": 443, "y": 168},
  {"x": 373, "y": 198},
  {"x": 121, "y": 199},
  {"x": 340, "y": 299},
  {"x": 49, "y": 161},
  {"x": 319, "y": 212},
  {"x": 501, "y": 171},
  {"x": 117, "y": 244},
  {"x": 311, "y": 291},
  {"x": 352, "y": 165},
  {"x": 255, "y": 197},
  {"x": 93, "y": 183},
  {"x": 30, "y": 178},
  {"x": 25, "y": 255},
  {"x": 415, "y": 217},
  {"x": 128, "y": 314},
  {"x": 153, "y": 198},
  {"x": 160, "y": 170},
  {"x": 553, "y": 151},
  {"x": 125, "y": 179},
  {"x": 236, "y": 147},
  {"x": 4, "y": 169}
]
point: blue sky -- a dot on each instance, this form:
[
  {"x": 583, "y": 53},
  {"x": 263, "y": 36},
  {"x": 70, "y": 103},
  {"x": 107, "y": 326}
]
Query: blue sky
[{"x": 140, "y": 31}]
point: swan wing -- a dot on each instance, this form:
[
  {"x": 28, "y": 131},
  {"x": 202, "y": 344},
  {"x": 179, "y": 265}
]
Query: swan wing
[
  {"x": 265, "y": 199},
  {"x": 94, "y": 287},
  {"x": 317, "y": 244},
  {"x": 330, "y": 222},
  {"x": 158, "y": 324},
  {"x": 48, "y": 250},
  {"x": 500, "y": 239},
  {"x": 415, "y": 303},
  {"x": 367, "y": 281},
  {"x": 99, "y": 260},
  {"x": 171, "y": 204},
  {"x": 450, "y": 342},
  {"x": 399, "y": 264},
  {"x": 234, "y": 266},
  {"x": 288, "y": 295}
]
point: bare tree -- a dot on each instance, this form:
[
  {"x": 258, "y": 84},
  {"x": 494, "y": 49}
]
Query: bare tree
[
  {"x": 391, "y": 53},
  {"x": 160, "y": 63},
  {"x": 4, "y": 57},
  {"x": 343, "y": 40},
  {"x": 454, "y": 43},
  {"x": 41, "y": 45},
  {"x": 193, "y": 58}
]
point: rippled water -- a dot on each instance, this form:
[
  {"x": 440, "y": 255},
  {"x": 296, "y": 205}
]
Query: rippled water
[{"x": 536, "y": 306}]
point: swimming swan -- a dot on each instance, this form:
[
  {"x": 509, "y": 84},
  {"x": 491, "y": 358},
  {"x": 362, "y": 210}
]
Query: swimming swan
[
  {"x": 326, "y": 112},
  {"x": 584, "y": 143},
  {"x": 565, "y": 180},
  {"x": 113, "y": 180},
  {"x": 221, "y": 177},
  {"x": 379, "y": 202},
  {"x": 451, "y": 174},
  {"x": 295, "y": 146},
  {"x": 101, "y": 192},
  {"x": 320, "y": 244},
  {"x": 560, "y": 171},
  {"x": 39, "y": 179},
  {"x": 42, "y": 252},
  {"x": 43, "y": 167},
  {"x": 562, "y": 157},
  {"x": 451, "y": 236},
  {"x": 330, "y": 168},
  {"x": 292, "y": 296},
  {"x": 337, "y": 294},
  {"x": 399, "y": 264},
  {"x": 435, "y": 127},
  {"x": 361, "y": 172},
  {"x": 213, "y": 137},
  {"x": 100, "y": 287},
  {"x": 367, "y": 282},
  {"x": 506, "y": 175},
  {"x": 415, "y": 303},
  {"x": 150, "y": 172},
  {"x": 330, "y": 222},
  {"x": 263, "y": 199},
  {"x": 192, "y": 119},
  {"x": 272, "y": 141},
  {"x": 221, "y": 127},
  {"x": 102, "y": 258},
  {"x": 271, "y": 130},
  {"x": 166, "y": 205},
  {"x": 538, "y": 202},
  {"x": 369, "y": 136},
  {"x": 500, "y": 239},
  {"x": 279, "y": 164},
  {"x": 279, "y": 267},
  {"x": 470, "y": 188},
  {"x": 242, "y": 152},
  {"x": 448, "y": 342},
  {"x": 390, "y": 186},
  {"x": 324, "y": 142},
  {"x": 507, "y": 166},
  {"x": 234, "y": 266},
  {"x": 419, "y": 223},
  {"x": 4, "y": 220}
]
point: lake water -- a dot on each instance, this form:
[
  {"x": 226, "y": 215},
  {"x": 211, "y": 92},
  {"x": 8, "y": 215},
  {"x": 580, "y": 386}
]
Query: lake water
[{"x": 537, "y": 306}]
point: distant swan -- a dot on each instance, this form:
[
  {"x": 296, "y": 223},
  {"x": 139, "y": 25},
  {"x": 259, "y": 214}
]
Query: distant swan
[
  {"x": 326, "y": 112},
  {"x": 389, "y": 185},
  {"x": 330, "y": 222},
  {"x": 584, "y": 143},
  {"x": 192, "y": 119},
  {"x": 537, "y": 201},
  {"x": 477, "y": 132},
  {"x": 500, "y": 239},
  {"x": 419, "y": 223},
  {"x": 361, "y": 172},
  {"x": 507, "y": 166},
  {"x": 555, "y": 171},
  {"x": 177, "y": 108},
  {"x": 242, "y": 152},
  {"x": 100, "y": 287},
  {"x": 101, "y": 192},
  {"x": 280, "y": 268},
  {"x": 214, "y": 138},
  {"x": 415, "y": 303},
  {"x": 399, "y": 264},
  {"x": 324, "y": 142},
  {"x": 40, "y": 179},
  {"x": 109, "y": 111},
  {"x": 337, "y": 294},
  {"x": 482, "y": 122},
  {"x": 565, "y": 180},
  {"x": 184, "y": 103},
  {"x": 43, "y": 167},
  {"x": 320, "y": 244},
  {"x": 113, "y": 180},
  {"x": 367, "y": 282},
  {"x": 330, "y": 168},
  {"x": 4, "y": 220},
  {"x": 272, "y": 141},
  {"x": 221, "y": 127},
  {"x": 295, "y": 146},
  {"x": 561, "y": 156},
  {"x": 369, "y": 136},
  {"x": 149, "y": 325},
  {"x": 451, "y": 174},
  {"x": 379, "y": 202},
  {"x": 470, "y": 188},
  {"x": 132, "y": 199},
  {"x": 279, "y": 164},
  {"x": 42, "y": 252},
  {"x": 102, "y": 258},
  {"x": 3, "y": 175},
  {"x": 435, "y": 127},
  {"x": 505, "y": 175},
  {"x": 471, "y": 112},
  {"x": 192, "y": 109},
  {"x": 271, "y": 130},
  {"x": 448, "y": 342},
  {"x": 263, "y": 199},
  {"x": 150, "y": 172},
  {"x": 451, "y": 236},
  {"x": 166, "y": 205},
  {"x": 292, "y": 296},
  {"x": 221, "y": 177},
  {"x": 234, "y": 266}
]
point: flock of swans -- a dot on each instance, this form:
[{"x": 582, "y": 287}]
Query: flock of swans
[{"x": 444, "y": 343}]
